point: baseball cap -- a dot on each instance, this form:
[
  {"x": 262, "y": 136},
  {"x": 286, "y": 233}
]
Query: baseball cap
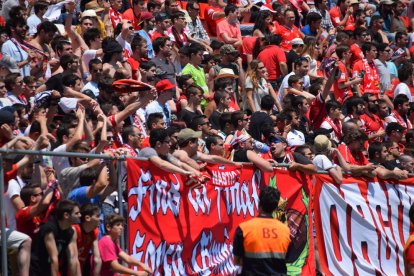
[
  {"x": 227, "y": 49},
  {"x": 161, "y": 16},
  {"x": 89, "y": 13},
  {"x": 322, "y": 143},
  {"x": 277, "y": 139},
  {"x": 164, "y": 85},
  {"x": 187, "y": 134},
  {"x": 297, "y": 41},
  {"x": 146, "y": 16},
  {"x": 10, "y": 63}
]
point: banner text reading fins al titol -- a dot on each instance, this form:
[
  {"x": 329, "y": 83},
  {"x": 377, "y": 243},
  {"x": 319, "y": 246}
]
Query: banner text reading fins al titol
[{"x": 182, "y": 231}]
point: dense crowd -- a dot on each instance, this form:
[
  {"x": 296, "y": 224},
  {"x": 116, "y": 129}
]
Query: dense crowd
[{"x": 316, "y": 84}]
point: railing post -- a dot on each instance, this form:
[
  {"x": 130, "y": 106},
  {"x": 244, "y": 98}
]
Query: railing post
[
  {"x": 3, "y": 221},
  {"x": 120, "y": 201}
]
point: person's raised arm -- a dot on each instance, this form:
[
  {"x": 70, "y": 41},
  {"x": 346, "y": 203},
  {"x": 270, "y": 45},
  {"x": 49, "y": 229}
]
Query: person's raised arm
[
  {"x": 143, "y": 100},
  {"x": 100, "y": 184},
  {"x": 103, "y": 142},
  {"x": 259, "y": 162},
  {"x": 77, "y": 135}
]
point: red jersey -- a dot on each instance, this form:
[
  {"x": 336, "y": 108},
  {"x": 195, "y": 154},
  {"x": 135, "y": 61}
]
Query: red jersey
[
  {"x": 371, "y": 81},
  {"x": 358, "y": 159},
  {"x": 373, "y": 124},
  {"x": 271, "y": 56},
  {"x": 317, "y": 112},
  {"x": 247, "y": 46},
  {"x": 84, "y": 242},
  {"x": 342, "y": 94},
  {"x": 336, "y": 17},
  {"x": 288, "y": 34},
  {"x": 156, "y": 34},
  {"x": 129, "y": 15},
  {"x": 115, "y": 16},
  {"x": 211, "y": 24},
  {"x": 27, "y": 224},
  {"x": 357, "y": 54}
]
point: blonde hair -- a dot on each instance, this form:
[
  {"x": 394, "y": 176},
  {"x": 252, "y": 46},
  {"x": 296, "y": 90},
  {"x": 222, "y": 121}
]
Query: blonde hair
[{"x": 253, "y": 73}]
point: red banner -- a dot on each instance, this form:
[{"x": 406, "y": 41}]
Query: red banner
[
  {"x": 362, "y": 225},
  {"x": 177, "y": 230}
]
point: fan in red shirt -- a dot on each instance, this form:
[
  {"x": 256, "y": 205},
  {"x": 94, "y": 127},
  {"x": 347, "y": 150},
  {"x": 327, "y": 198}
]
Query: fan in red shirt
[
  {"x": 374, "y": 126},
  {"x": 368, "y": 71},
  {"x": 288, "y": 31},
  {"x": 342, "y": 85},
  {"x": 273, "y": 58},
  {"x": 86, "y": 235},
  {"x": 134, "y": 14},
  {"x": 341, "y": 15},
  {"x": 361, "y": 36},
  {"x": 162, "y": 23},
  {"x": 28, "y": 218},
  {"x": 139, "y": 49},
  {"x": 213, "y": 14},
  {"x": 353, "y": 152}
]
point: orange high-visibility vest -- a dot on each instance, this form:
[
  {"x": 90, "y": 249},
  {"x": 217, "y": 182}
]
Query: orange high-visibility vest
[
  {"x": 407, "y": 244},
  {"x": 265, "y": 238}
]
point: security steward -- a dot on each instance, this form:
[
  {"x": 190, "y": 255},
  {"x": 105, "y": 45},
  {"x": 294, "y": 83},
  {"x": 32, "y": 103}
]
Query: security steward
[{"x": 261, "y": 244}]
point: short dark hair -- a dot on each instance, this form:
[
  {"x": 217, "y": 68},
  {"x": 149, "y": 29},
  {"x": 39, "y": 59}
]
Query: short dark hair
[
  {"x": 94, "y": 61},
  {"x": 313, "y": 17},
  {"x": 126, "y": 131},
  {"x": 367, "y": 46},
  {"x": 64, "y": 206},
  {"x": 28, "y": 191},
  {"x": 352, "y": 102},
  {"x": 177, "y": 14},
  {"x": 87, "y": 176},
  {"x": 399, "y": 35},
  {"x": 269, "y": 199},
  {"x": 193, "y": 90},
  {"x": 146, "y": 65},
  {"x": 222, "y": 83},
  {"x": 137, "y": 42},
  {"x": 229, "y": 8},
  {"x": 69, "y": 79},
  {"x": 405, "y": 70},
  {"x": 236, "y": 116},
  {"x": 157, "y": 135},
  {"x": 65, "y": 60},
  {"x": 113, "y": 219},
  {"x": 159, "y": 42},
  {"x": 225, "y": 118},
  {"x": 39, "y": 6},
  {"x": 153, "y": 118},
  {"x": 91, "y": 35},
  {"x": 212, "y": 140},
  {"x": 194, "y": 48},
  {"x": 11, "y": 80},
  {"x": 340, "y": 50},
  {"x": 373, "y": 148},
  {"x": 89, "y": 209},
  {"x": 332, "y": 104},
  {"x": 218, "y": 95},
  {"x": 267, "y": 102},
  {"x": 400, "y": 99},
  {"x": 47, "y": 27}
]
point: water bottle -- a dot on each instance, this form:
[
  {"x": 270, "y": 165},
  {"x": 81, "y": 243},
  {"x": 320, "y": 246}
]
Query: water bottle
[{"x": 260, "y": 147}]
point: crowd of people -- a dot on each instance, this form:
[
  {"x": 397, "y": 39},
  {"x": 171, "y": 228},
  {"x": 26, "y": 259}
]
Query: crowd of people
[{"x": 316, "y": 84}]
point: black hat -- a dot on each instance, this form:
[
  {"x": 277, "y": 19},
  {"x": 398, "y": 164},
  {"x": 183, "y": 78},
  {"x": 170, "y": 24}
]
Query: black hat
[{"x": 394, "y": 127}]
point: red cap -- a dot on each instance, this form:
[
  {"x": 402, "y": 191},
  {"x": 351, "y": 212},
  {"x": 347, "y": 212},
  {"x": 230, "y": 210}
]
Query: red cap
[
  {"x": 164, "y": 85},
  {"x": 145, "y": 16}
]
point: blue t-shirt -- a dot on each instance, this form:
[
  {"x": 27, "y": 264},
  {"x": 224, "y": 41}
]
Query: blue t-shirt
[
  {"x": 307, "y": 31},
  {"x": 79, "y": 195}
]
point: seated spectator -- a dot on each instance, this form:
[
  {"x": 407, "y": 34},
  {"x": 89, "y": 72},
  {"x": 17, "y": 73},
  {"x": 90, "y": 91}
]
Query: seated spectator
[
  {"x": 110, "y": 251},
  {"x": 228, "y": 30},
  {"x": 213, "y": 15}
]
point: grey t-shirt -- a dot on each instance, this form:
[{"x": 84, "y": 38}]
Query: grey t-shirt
[{"x": 150, "y": 152}]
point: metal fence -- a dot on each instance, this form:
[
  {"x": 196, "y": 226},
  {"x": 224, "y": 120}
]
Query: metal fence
[{"x": 8, "y": 152}]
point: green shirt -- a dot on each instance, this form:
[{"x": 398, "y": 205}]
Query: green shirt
[{"x": 197, "y": 74}]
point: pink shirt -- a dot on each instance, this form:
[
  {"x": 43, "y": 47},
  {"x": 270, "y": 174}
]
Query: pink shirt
[
  {"x": 233, "y": 31},
  {"x": 109, "y": 251}
]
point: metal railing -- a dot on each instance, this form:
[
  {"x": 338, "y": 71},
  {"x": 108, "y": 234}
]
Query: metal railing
[{"x": 119, "y": 159}]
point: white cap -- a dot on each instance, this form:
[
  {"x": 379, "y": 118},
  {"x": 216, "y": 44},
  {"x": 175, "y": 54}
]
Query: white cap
[
  {"x": 89, "y": 13},
  {"x": 68, "y": 104},
  {"x": 297, "y": 41}
]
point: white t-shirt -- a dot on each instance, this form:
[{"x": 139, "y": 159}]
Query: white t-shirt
[
  {"x": 87, "y": 56},
  {"x": 93, "y": 86},
  {"x": 14, "y": 187},
  {"x": 261, "y": 91},
  {"x": 60, "y": 162},
  {"x": 322, "y": 162},
  {"x": 285, "y": 85},
  {"x": 403, "y": 88}
]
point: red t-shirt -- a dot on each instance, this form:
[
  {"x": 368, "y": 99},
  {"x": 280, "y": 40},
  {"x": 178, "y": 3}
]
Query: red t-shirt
[
  {"x": 342, "y": 94},
  {"x": 129, "y": 15},
  {"x": 317, "y": 112},
  {"x": 372, "y": 124},
  {"x": 84, "y": 242},
  {"x": 336, "y": 18},
  {"x": 409, "y": 254},
  {"x": 271, "y": 56},
  {"x": 371, "y": 80},
  {"x": 247, "y": 46},
  {"x": 27, "y": 224},
  {"x": 211, "y": 24},
  {"x": 232, "y": 30},
  {"x": 288, "y": 35},
  {"x": 134, "y": 66},
  {"x": 357, "y": 54},
  {"x": 156, "y": 34},
  {"x": 358, "y": 159}
]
